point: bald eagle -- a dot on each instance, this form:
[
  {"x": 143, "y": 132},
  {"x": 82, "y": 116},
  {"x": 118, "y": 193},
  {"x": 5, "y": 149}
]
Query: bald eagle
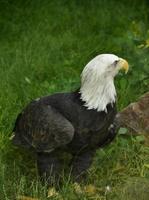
[{"x": 77, "y": 122}]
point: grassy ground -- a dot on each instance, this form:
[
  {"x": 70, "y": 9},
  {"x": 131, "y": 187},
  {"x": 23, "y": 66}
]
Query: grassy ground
[{"x": 43, "y": 47}]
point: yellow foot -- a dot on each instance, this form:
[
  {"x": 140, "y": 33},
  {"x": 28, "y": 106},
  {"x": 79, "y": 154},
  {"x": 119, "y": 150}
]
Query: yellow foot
[
  {"x": 77, "y": 188},
  {"x": 90, "y": 189},
  {"x": 52, "y": 192}
]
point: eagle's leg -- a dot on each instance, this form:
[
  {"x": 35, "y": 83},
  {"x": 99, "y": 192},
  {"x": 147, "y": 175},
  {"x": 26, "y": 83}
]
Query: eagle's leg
[
  {"x": 49, "y": 168},
  {"x": 80, "y": 165}
]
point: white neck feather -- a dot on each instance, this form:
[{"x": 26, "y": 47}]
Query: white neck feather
[{"x": 97, "y": 92}]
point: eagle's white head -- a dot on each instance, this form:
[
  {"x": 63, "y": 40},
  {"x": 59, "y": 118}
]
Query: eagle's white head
[{"x": 97, "y": 83}]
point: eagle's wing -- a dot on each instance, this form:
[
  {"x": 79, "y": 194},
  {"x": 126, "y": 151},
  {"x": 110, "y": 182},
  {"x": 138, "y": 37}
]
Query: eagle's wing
[{"x": 43, "y": 128}]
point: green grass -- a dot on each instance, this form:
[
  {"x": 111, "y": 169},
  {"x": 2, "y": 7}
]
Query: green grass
[{"x": 44, "y": 45}]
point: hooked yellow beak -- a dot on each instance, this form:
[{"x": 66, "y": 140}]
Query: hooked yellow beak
[{"x": 124, "y": 65}]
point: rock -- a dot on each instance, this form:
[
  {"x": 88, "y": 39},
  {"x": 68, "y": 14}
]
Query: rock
[{"x": 135, "y": 117}]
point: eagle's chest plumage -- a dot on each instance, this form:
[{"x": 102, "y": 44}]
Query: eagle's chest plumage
[{"x": 91, "y": 127}]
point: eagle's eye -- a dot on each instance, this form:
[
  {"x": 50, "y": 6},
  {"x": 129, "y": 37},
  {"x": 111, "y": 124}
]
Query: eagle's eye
[{"x": 115, "y": 62}]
